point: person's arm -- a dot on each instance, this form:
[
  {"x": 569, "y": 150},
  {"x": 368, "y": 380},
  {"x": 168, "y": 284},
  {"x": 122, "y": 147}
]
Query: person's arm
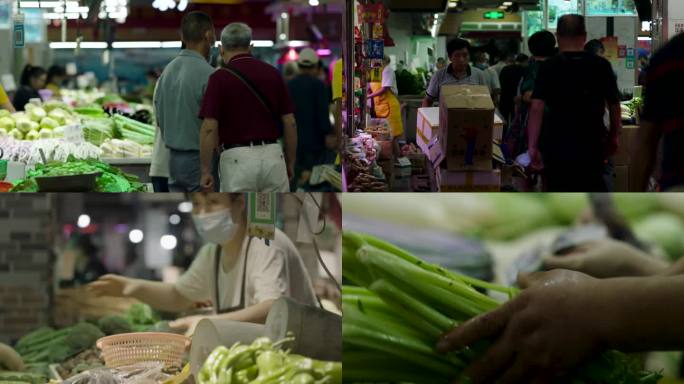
[
  {"x": 534, "y": 123},
  {"x": 161, "y": 296},
  {"x": 379, "y": 92},
  {"x": 254, "y": 314},
  {"x": 428, "y": 101},
  {"x": 290, "y": 132},
  {"x": 208, "y": 143},
  {"x": 564, "y": 317},
  {"x": 432, "y": 92}
]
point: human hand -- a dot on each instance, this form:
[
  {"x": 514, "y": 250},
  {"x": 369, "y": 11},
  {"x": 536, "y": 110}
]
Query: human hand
[
  {"x": 542, "y": 333},
  {"x": 186, "y": 324},
  {"x": 607, "y": 258},
  {"x": 536, "y": 160},
  {"x": 207, "y": 182},
  {"x": 112, "y": 285},
  {"x": 331, "y": 142}
]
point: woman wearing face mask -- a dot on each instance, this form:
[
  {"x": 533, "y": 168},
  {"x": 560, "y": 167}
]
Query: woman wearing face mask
[{"x": 241, "y": 276}]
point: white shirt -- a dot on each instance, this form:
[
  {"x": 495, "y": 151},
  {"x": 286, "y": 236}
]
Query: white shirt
[
  {"x": 272, "y": 271},
  {"x": 492, "y": 79},
  {"x": 389, "y": 80}
]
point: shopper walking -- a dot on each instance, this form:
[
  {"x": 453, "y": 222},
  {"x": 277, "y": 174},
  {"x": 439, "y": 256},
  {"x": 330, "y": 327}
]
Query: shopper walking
[
  {"x": 662, "y": 118},
  {"x": 510, "y": 78},
  {"x": 576, "y": 86},
  {"x": 482, "y": 62},
  {"x": 177, "y": 101},
  {"x": 32, "y": 79},
  {"x": 246, "y": 110},
  {"x": 458, "y": 72},
  {"x": 312, "y": 105}
]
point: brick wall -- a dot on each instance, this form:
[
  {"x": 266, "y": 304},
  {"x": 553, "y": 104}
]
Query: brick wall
[{"x": 25, "y": 265}]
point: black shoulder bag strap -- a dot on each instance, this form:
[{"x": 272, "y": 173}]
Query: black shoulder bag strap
[{"x": 255, "y": 91}]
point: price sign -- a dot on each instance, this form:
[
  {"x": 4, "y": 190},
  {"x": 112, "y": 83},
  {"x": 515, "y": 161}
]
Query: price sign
[
  {"x": 18, "y": 31},
  {"x": 73, "y": 134}
]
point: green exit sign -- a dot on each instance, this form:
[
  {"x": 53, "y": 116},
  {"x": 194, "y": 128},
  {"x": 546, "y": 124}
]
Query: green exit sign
[{"x": 494, "y": 15}]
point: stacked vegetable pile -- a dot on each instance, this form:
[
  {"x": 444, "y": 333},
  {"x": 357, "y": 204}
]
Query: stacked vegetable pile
[
  {"x": 263, "y": 362},
  {"x": 37, "y": 122},
  {"x": 111, "y": 178},
  {"x": 401, "y": 306},
  {"x": 127, "y": 128}
]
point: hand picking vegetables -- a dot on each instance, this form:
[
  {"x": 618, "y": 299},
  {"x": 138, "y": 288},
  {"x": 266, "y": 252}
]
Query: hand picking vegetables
[
  {"x": 400, "y": 307},
  {"x": 264, "y": 362}
]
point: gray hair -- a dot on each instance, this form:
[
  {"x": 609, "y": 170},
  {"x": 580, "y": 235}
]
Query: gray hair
[{"x": 236, "y": 35}]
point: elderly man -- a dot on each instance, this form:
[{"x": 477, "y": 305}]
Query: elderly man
[
  {"x": 246, "y": 109},
  {"x": 177, "y": 101}
]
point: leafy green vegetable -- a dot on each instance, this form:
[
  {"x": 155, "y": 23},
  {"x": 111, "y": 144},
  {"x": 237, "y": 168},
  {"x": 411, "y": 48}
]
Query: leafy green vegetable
[
  {"x": 390, "y": 327},
  {"x": 111, "y": 180},
  {"x": 664, "y": 229},
  {"x": 114, "y": 324},
  {"x": 140, "y": 314}
]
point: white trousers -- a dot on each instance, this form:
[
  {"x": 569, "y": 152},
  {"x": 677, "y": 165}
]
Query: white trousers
[{"x": 259, "y": 168}]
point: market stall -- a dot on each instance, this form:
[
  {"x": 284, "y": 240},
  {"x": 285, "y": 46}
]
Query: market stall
[
  {"x": 418, "y": 266},
  {"x": 69, "y": 332}
]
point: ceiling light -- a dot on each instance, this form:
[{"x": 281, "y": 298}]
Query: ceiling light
[{"x": 135, "y": 236}]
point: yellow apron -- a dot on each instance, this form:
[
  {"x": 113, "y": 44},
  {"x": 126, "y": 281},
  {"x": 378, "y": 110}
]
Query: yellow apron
[{"x": 387, "y": 107}]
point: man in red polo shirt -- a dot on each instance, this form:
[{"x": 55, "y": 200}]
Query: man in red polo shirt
[{"x": 246, "y": 110}]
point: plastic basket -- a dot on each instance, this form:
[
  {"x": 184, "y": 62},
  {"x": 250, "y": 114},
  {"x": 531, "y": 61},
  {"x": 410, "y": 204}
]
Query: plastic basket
[{"x": 131, "y": 348}]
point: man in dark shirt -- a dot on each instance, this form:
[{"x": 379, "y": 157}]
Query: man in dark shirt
[
  {"x": 576, "y": 87},
  {"x": 510, "y": 79},
  {"x": 243, "y": 108},
  {"x": 663, "y": 117},
  {"x": 312, "y": 100}
]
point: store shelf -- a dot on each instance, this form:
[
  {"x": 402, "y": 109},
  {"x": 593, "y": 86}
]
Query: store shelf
[{"x": 131, "y": 161}]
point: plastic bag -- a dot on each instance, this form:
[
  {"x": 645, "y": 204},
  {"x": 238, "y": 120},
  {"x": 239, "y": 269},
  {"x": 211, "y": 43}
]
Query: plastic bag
[{"x": 142, "y": 373}]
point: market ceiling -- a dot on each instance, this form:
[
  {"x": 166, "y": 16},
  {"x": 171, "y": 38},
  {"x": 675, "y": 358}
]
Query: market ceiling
[{"x": 440, "y": 5}]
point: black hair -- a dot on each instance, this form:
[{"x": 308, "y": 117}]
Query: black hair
[
  {"x": 542, "y": 44},
  {"x": 522, "y": 58},
  {"x": 55, "y": 71},
  {"x": 30, "y": 72},
  {"x": 194, "y": 25},
  {"x": 457, "y": 44},
  {"x": 594, "y": 47},
  {"x": 571, "y": 25}
]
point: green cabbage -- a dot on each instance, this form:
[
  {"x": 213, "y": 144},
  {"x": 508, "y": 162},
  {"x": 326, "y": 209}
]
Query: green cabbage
[
  {"x": 32, "y": 135},
  {"x": 37, "y": 114},
  {"x": 6, "y": 122},
  {"x": 16, "y": 134},
  {"x": 59, "y": 115},
  {"x": 4, "y": 113},
  {"x": 23, "y": 124},
  {"x": 3, "y": 132},
  {"x": 45, "y": 133},
  {"x": 566, "y": 207},
  {"x": 48, "y": 123},
  {"x": 664, "y": 229}
]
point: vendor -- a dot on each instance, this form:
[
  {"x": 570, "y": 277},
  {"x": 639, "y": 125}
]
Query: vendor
[
  {"x": 5, "y": 102},
  {"x": 385, "y": 102},
  {"x": 32, "y": 79},
  {"x": 241, "y": 275},
  {"x": 55, "y": 77},
  {"x": 459, "y": 72}
]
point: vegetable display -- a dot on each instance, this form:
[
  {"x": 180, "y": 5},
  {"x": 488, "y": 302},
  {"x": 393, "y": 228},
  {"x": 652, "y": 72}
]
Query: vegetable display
[
  {"x": 134, "y": 130},
  {"x": 390, "y": 326},
  {"x": 111, "y": 179},
  {"x": 264, "y": 362},
  {"x": 47, "y": 345}
]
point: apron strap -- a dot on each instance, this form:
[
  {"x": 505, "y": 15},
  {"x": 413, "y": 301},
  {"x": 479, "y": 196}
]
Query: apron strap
[{"x": 217, "y": 266}]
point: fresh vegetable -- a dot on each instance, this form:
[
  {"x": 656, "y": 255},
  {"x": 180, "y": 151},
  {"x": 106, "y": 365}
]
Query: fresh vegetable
[
  {"x": 36, "y": 113},
  {"x": 48, "y": 123},
  {"x": 263, "y": 362},
  {"x": 4, "y": 113},
  {"x": 134, "y": 130},
  {"x": 111, "y": 179},
  {"x": 141, "y": 317},
  {"x": 664, "y": 229},
  {"x": 114, "y": 324},
  {"x": 10, "y": 359},
  {"x": 45, "y": 133},
  {"x": 32, "y": 135},
  {"x": 96, "y": 131},
  {"x": 86, "y": 360},
  {"x": 3, "y": 132},
  {"x": 6, "y": 122},
  {"x": 401, "y": 305},
  {"x": 16, "y": 134},
  {"x": 9, "y": 377},
  {"x": 23, "y": 124},
  {"x": 59, "y": 115},
  {"x": 46, "y": 345}
]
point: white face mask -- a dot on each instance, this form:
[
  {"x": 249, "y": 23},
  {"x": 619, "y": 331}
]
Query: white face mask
[{"x": 216, "y": 227}]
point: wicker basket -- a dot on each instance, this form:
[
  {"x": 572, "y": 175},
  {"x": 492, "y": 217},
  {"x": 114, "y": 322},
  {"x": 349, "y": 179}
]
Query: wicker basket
[{"x": 140, "y": 347}]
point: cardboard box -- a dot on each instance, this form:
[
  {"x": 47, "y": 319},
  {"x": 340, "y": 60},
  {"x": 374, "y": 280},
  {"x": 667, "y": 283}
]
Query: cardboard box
[
  {"x": 467, "y": 120},
  {"x": 626, "y": 145},
  {"x": 428, "y": 123},
  {"x": 470, "y": 181},
  {"x": 433, "y": 149},
  {"x": 621, "y": 178},
  {"x": 498, "y": 128}
]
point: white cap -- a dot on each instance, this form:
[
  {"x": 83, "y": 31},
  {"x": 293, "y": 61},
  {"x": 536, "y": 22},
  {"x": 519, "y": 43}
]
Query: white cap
[{"x": 308, "y": 58}]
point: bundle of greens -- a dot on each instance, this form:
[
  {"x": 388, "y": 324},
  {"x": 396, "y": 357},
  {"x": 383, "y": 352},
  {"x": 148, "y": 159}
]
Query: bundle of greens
[
  {"x": 263, "y": 362},
  {"x": 133, "y": 130},
  {"x": 400, "y": 307},
  {"x": 112, "y": 179},
  {"x": 46, "y": 345},
  {"x": 141, "y": 317}
]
